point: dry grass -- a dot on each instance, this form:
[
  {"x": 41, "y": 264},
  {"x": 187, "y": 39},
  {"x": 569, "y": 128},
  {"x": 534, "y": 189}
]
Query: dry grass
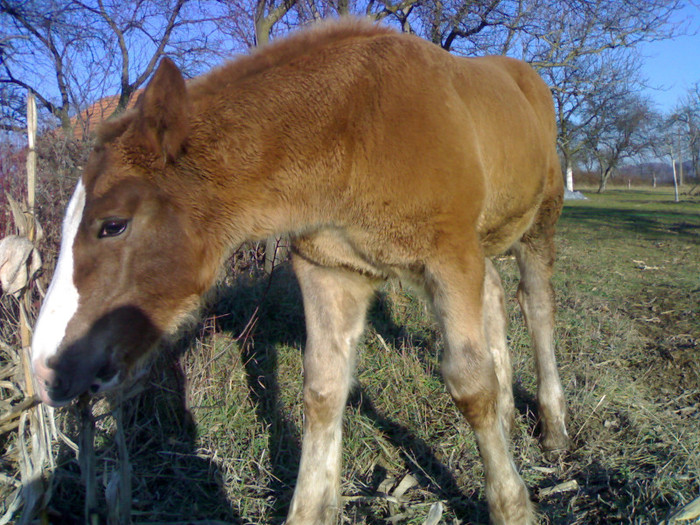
[{"x": 214, "y": 432}]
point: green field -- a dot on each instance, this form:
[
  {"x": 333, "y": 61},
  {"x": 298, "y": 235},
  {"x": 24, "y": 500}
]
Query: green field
[{"x": 216, "y": 434}]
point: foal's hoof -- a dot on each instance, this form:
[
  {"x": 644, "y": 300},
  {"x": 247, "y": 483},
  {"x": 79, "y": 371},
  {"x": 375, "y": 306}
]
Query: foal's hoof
[
  {"x": 554, "y": 455},
  {"x": 555, "y": 448},
  {"x": 555, "y": 442}
]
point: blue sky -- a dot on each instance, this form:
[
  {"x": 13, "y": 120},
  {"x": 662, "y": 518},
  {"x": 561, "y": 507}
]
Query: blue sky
[{"x": 674, "y": 64}]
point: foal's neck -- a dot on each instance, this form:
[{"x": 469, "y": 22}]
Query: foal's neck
[{"x": 273, "y": 153}]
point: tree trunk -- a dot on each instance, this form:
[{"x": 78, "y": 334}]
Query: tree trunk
[
  {"x": 343, "y": 7},
  {"x": 66, "y": 123},
  {"x": 569, "y": 177},
  {"x": 262, "y": 31},
  {"x": 675, "y": 180},
  {"x": 604, "y": 176}
]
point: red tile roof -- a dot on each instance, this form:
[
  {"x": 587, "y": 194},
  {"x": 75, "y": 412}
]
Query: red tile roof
[{"x": 88, "y": 120}]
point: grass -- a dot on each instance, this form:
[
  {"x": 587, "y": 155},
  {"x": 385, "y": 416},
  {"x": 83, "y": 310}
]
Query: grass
[
  {"x": 629, "y": 289},
  {"x": 216, "y": 433}
]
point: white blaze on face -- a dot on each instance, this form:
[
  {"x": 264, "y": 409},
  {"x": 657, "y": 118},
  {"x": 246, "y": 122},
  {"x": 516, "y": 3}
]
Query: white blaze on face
[{"x": 61, "y": 300}]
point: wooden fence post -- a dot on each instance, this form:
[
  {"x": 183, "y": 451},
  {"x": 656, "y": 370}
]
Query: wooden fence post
[
  {"x": 31, "y": 163},
  {"x": 25, "y": 299},
  {"x": 37, "y": 432}
]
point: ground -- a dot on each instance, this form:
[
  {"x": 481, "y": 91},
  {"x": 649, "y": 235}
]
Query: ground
[{"x": 216, "y": 434}]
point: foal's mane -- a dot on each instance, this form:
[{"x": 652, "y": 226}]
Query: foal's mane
[
  {"x": 286, "y": 49},
  {"x": 275, "y": 54}
]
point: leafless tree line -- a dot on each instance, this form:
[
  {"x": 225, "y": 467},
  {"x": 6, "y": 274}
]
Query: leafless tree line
[
  {"x": 71, "y": 53},
  {"x": 624, "y": 125}
]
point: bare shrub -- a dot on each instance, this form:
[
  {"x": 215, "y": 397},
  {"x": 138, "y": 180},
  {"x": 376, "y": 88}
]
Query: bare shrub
[
  {"x": 60, "y": 162},
  {"x": 12, "y": 182},
  {"x": 59, "y": 159}
]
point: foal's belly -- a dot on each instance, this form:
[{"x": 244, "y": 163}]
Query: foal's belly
[{"x": 373, "y": 256}]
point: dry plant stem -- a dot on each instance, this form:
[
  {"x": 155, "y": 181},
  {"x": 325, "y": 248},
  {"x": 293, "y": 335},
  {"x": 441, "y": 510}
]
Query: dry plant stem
[
  {"x": 33, "y": 458},
  {"x": 8, "y": 420},
  {"x": 12, "y": 507},
  {"x": 590, "y": 416},
  {"x": 36, "y": 456},
  {"x": 87, "y": 456},
  {"x": 25, "y": 332},
  {"x": 689, "y": 513},
  {"x": 31, "y": 162},
  {"x": 124, "y": 502},
  {"x": 25, "y": 298},
  {"x": 253, "y": 320},
  {"x": 34, "y": 436}
]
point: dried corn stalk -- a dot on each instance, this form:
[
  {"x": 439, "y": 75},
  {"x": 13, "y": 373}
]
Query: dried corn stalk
[{"x": 36, "y": 429}]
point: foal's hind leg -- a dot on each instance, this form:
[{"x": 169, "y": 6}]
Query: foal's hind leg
[
  {"x": 335, "y": 305},
  {"x": 535, "y": 255},
  {"x": 456, "y": 287},
  {"x": 495, "y": 332}
]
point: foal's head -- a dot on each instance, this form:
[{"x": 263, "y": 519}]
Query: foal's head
[{"x": 131, "y": 261}]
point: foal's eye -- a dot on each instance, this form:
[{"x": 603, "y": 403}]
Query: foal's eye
[{"x": 112, "y": 228}]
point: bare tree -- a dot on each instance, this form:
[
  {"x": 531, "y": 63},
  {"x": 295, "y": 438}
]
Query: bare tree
[
  {"x": 663, "y": 144},
  {"x": 582, "y": 91},
  {"x": 687, "y": 116},
  {"x": 267, "y": 14},
  {"x": 561, "y": 31},
  {"x": 72, "y": 52},
  {"x": 139, "y": 34},
  {"x": 620, "y": 131},
  {"x": 585, "y": 51},
  {"x": 43, "y": 40},
  {"x": 121, "y": 23},
  {"x": 468, "y": 27}
]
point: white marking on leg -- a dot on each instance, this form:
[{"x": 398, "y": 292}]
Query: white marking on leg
[
  {"x": 61, "y": 300},
  {"x": 506, "y": 493},
  {"x": 495, "y": 332},
  {"x": 536, "y": 298},
  {"x": 335, "y": 304},
  {"x": 317, "y": 493}
]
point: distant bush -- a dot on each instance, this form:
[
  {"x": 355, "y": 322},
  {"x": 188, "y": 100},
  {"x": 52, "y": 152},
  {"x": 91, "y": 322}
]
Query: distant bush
[
  {"x": 636, "y": 175},
  {"x": 12, "y": 182},
  {"x": 60, "y": 161}
]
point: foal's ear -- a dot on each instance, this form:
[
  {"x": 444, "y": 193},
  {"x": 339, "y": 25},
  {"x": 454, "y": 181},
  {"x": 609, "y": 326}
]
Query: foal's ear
[{"x": 164, "y": 111}]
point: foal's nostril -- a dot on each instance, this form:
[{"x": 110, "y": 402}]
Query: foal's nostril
[
  {"x": 55, "y": 384},
  {"x": 46, "y": 375}
]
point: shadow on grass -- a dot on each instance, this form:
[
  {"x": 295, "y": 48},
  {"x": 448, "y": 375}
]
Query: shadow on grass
[
  {"x": 651, "y": 223},
  {"x": 171, "y": 481},
  {"x": 168, "y": 473},
  {"x": 275, "y": 323},
  {"x": 432, "y": 474},
  {"x": 281, "y": 321},
  {"x": 608, "y": 495}
]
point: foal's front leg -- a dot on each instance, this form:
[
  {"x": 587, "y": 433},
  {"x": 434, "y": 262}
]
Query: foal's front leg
[
  {"x": 335, "y": 305},
  {"x": 456, "y": 288}
]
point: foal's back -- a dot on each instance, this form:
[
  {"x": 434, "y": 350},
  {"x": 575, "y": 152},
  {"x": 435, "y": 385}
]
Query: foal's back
[{"x": 432, "y": 144}]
